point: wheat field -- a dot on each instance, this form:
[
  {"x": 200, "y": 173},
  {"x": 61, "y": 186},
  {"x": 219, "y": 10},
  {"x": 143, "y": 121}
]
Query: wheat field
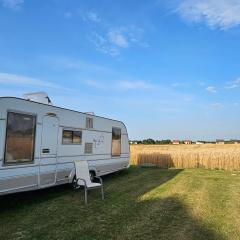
[{"x": 209, "y": 156}]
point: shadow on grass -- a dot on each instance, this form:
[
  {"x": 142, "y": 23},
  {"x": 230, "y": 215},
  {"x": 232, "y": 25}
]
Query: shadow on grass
[
  {"x": 124, "y": 214},
  {"x": 25, "y": 199},
  {"x": 169, "y": 218}
]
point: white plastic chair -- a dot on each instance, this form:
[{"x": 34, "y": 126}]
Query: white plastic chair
[{"x": 83, "y": 178}]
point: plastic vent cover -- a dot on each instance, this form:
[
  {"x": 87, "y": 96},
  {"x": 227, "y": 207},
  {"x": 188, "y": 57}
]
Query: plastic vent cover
[{"x": 88, "y": 148}]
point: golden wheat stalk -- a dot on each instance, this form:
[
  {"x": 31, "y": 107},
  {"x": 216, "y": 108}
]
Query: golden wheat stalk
[{"x": 226, "y": 157}]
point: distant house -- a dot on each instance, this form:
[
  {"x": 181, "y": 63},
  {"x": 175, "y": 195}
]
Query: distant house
[
  {"x": 236, "y": 141},
  {"x": 176, "y": 142},
  {"x": 187, "y": 142},
  {"x": 132, "y": 142},
  {"x": 220, "y": 141},
  {"x": 199, "y": 142}
]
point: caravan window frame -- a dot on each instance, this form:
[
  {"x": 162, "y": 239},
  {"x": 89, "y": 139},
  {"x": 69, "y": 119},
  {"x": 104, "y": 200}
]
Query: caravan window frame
[
  {"x": 89, "y": 122},
  {"x": 116, "y": 155},
  {"x": 17, "y": 162},
  {"x": 72, "y": 130}
]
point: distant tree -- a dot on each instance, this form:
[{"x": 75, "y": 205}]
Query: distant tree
[
  {"x": 148, "y": 141},
  {"x": 167, "y": 141}
]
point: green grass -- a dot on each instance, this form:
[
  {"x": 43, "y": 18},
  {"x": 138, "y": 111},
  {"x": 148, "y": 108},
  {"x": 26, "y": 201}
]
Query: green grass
[{"x": 141, "y": 203}]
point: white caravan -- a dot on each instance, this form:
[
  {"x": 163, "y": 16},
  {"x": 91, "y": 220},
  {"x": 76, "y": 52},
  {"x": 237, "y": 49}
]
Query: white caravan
[{"x": 39, "y": 143}]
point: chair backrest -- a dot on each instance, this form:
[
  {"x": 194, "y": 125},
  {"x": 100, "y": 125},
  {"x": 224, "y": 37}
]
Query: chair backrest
[{"x": 82, "y": 171}]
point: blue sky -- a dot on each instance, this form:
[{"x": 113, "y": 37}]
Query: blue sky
[{"x": 167, "y": 68}]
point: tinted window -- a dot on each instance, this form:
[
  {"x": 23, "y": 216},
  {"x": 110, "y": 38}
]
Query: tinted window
[
  {"x": 116, "y": 142},
  {"x": 67, "y": 137},
  {"x": 77, "y": 137},
  {"x": 20, "y": 138},
  {"x": 89, "y": 122},
  {"x": 72, "y": 137}
]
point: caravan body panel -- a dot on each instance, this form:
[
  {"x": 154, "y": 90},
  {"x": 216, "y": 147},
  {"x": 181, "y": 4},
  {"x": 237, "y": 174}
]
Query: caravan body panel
[{"x": 39, "y": 144}]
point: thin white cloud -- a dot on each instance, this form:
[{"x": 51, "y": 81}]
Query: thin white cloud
[
  {"x": 61, "y": 62},
  {"x": 216, "y": 105},
  {"x": 233, "y": 84},
  {"x": 124, "y": 37},
  {"x": 90, "y": 16},
  {"x": 211, "y": 89},
  {"x": 179, "y": 84},
  {"x": 13, "y": 4},
  {"x": 175, "y": 85},
  {"x": 134, "y": 85},
  {"x": 118, "y": 39},
  {"x": 93, "y": 16},
  {"x": 222, "y": 14},
  {"x": 96, "y": 84},
  {"x": 111, "y": 41},
  {"x": 236, "y": 104},
  {"x": 188, "y": 98},
  {"x": 103, "y": 45},
  {"x": 14, "y": 79},
  {"x": 124, "y": 85}
]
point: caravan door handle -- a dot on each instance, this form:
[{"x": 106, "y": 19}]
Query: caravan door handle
[{"x": 45, "y": 150}]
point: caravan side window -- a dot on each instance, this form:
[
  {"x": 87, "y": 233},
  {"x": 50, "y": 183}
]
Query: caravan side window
[
  {"x": 72, "y": 137},
  {"x": 89, "y": 122},
  {"x": 20, "y": 138},
  {"x": 116, "y": 142}
]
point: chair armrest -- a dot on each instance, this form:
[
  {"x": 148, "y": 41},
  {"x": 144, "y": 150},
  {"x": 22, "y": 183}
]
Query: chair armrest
[
  {"x": 100, "y": 179},
  {"x": 81, "y": 180}
]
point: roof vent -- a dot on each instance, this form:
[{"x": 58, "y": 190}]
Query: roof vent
[
  {"x": 90, "y": 113},
  {"x": 40, "y": 97}
]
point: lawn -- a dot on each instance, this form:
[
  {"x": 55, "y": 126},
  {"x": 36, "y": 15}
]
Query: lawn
[{"x": 141, "y": 203}]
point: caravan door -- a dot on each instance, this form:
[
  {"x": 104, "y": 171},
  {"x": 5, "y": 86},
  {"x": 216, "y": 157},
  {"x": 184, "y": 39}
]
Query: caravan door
[{"x": 48, "y": 160}]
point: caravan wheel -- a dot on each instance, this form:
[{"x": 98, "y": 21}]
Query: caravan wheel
[
  {"x": 74, "y": 183},
  {"x": 92, "y": 175}
]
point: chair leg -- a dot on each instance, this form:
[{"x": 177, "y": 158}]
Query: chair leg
[
  {"x": 85, "y": 194},
  {"x": 102, "y": 193}
]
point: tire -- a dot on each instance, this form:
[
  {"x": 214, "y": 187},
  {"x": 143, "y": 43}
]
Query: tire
[
  {"x": 92, "y": 174},
  {"x": 74, "y": 183}
]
